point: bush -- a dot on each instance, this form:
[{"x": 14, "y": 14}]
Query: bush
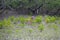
[
  {"x": 33, "y": 4},
  {"x": 1, "y": 25},
  {"x": 22, "y": 19},
  {"x": 41, "y": 27},
  {"x": 50, "y": 19},
  {"x": 38, "y": 19},
  {"x": 6, "y": 23}
]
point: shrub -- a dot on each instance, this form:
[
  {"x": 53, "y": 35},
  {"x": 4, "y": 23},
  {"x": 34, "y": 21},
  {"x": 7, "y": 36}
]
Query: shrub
[
  {"x": 12, "y": 18},
  {"x": 41, "y": 27},
  {"x": 54, "y": 26},
  {"x": 22, "y": 25},
  {"x": 1, "y": 25},
  {"x": 22, "y": 19},
  {"x": 50, "y": 19},
  {"x": 30, "y": 30},
  {"x": 38, "y": 19},
  {"x": 6, "y": 23},
  {"x": 9, "y": 31}
]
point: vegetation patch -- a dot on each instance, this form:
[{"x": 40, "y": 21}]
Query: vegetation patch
[
  {"x": 38, "y": 19},
  {"x": 37, "y": 26},
  {"x": 49, "y": 19},
  {"x": 41, "y": 27}
]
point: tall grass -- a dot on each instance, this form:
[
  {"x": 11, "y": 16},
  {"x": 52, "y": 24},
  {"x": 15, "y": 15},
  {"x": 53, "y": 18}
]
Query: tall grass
[
  {"x": 49, "y": 19},
  {"x": 38, "y": 19},
  {"x": 41, "y": 27}
]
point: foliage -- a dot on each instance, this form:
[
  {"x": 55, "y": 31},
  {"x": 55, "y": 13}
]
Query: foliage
[
  {"x": 17, "y": 30},
  {"x": 21, "y": 3},
  {"x": 48, "y": 5},
  {"x": 9, "y": 31},
  {"x": 30, "y": 30},
  {"x": 12, "y": 18},
  {"x": 54, "y": 26},
  {"x": 22, "y": 19},
  {"x": 1, "y": 25},
  {"x": 22, "y": 25},
  {"x": 6, "y": 23},
  {"x": 50, "y": 19},
  {"x": 41, "y": 27},
  {"x": 38, "y": 19},
  {"x": 30, "y": 3}
]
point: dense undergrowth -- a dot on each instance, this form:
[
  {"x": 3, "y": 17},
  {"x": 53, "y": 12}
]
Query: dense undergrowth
[
  {"x": 35, "y": 27},
  {"x": 51, "y": 7},
  {"x": 8, "y": 22}
]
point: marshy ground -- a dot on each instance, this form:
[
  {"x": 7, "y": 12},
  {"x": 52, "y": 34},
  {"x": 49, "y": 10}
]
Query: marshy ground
[{"x": 30, "y": 28}]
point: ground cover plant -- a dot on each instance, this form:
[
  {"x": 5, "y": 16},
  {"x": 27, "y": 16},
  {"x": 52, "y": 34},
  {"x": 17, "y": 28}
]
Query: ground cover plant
[
  {"x": 50, "y": 19},
  {"x": 40, "y": 27}
]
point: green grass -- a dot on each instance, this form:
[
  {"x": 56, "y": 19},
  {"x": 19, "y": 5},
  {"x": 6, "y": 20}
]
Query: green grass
[
  {"x": 22, "y": 19},
  {"x": 17, "y": 30},
  {"x": 12, "y": 18},
  {"x": 41, "y": 27},
  {"x": 1, "y": 25},
  {"x": 22, "y": 25},
  {"x": 9, "y": 31},
  {"x": 49, "y": 19},
  {"x": 30, "y": 30},
  {"x": 54, "y": 26},
  {"x": 6, "y": 22},
  {"x": 38, "y": 19}
]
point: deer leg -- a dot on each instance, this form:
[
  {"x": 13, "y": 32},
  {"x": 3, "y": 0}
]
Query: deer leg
[{"x": 37, "y": 11}]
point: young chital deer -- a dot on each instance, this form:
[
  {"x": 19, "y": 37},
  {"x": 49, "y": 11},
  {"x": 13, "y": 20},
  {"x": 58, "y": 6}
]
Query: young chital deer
[{"x": 31, "y": 20}]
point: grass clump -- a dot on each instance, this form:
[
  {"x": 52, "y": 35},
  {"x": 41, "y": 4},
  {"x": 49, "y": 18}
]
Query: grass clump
[
  {"x": 30, "y": 30},
  {"x": 54, "y": 26},
  {"x": 1, "y": 25},
  {"x": 22, "y": 19},
  {"x": 18, "y": 30},
  {"x": 41, "y": 27},
  {"x": 12, "y": 18},
  {"x": 50, "y": 19},
  {"x": 9, "y": 31},
  {"x": 38, "y": 19},
  {"x": 22, "y": 25},
  {"x": 6, "y": 23}
]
